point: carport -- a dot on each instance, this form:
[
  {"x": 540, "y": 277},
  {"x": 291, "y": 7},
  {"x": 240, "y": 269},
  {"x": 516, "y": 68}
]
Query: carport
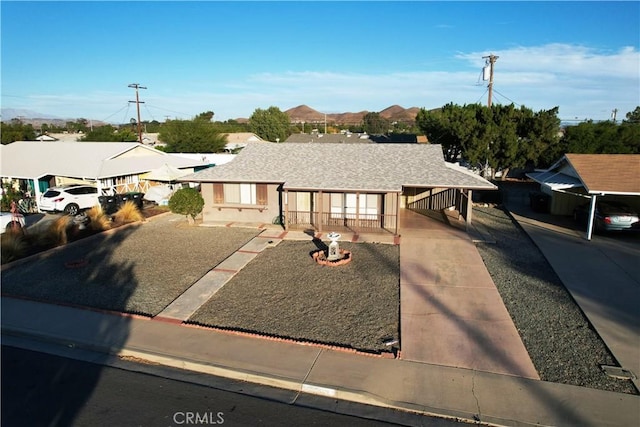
[{"x": 589, "y": 176}]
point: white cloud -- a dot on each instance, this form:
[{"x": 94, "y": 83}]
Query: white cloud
[{"x": 584, "y": 82}]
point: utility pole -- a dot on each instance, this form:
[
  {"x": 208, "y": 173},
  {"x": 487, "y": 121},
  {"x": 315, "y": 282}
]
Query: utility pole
[
  {"x": 137, "y": 86},
  {"x": 490, "y": 60}
]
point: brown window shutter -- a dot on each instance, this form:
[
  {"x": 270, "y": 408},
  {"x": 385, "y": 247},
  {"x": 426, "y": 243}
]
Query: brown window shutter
[
  {"x": 261, "y": 194},
  {"x": 218, "y": 193}
]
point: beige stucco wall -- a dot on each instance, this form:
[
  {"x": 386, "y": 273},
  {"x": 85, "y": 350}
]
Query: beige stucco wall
[{"x": 238, "y": 213}]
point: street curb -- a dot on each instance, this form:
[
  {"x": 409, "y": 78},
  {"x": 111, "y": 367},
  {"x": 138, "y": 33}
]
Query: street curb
[{"x": 355, "y": 396}]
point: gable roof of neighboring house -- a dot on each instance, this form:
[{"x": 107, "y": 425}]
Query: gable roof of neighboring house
[
  {"x": 242, "y": 137},
  {"x": 610, "y": 173},
  {"x": 597, "y": 173},
  {"x": 343, "y": 167},
  {"x": 86, "y": 160}
]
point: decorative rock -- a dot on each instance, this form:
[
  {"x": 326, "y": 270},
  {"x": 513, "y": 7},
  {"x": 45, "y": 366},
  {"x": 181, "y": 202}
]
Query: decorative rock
[{"x": 321, "y": 258}]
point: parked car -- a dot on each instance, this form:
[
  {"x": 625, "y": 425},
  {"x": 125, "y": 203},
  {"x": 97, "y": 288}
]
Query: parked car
[
  {"x": 8, "y": 220},
  {"x": 609, "y": 216},
  {"x": 70, "y": 199}
]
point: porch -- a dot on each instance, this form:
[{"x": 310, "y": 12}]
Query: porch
[{"x": 350, "y": 223}]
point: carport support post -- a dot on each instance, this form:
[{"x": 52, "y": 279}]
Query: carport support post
[{"x": 592, "y": 210}]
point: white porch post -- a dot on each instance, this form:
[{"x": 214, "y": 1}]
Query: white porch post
[
  {"x": 285, "y": 220},
  {"x": 320, "y": 211},
  {"x": 592, "y": 210},
  {"x": 469, "y": 209}
]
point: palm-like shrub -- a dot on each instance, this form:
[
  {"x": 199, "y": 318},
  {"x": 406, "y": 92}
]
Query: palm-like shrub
[
  {"x": 187, "y": 201},
  {"x": 98, "y": 221},
  {"x": 12, "y": 247}
]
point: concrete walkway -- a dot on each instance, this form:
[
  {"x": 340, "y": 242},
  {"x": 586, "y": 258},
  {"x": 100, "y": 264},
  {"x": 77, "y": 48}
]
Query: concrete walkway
[{"x": 451, "y": 313}]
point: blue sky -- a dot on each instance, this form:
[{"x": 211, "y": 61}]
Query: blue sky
[{"x": 76, "y": 59}]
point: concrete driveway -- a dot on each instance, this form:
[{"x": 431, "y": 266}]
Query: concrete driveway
[{"x": 602, "y": 275}]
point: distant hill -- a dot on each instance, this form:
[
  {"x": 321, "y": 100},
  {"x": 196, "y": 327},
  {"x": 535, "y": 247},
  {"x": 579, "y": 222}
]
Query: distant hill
[
  {"x": 36, "y": 119},
  {"x": 303, "y": 113}
]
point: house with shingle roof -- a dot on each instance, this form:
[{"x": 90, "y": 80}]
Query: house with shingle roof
[
  {"x": 119, "y": 166},
  {"x": 577, "y": 179},
  {"x": 333, "y": 185}
]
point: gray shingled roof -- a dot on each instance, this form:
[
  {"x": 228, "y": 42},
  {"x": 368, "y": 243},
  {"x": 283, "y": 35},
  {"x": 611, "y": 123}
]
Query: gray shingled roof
[
  {"x": 329, "y": 138},
  {"x": 343, "y": 167}
]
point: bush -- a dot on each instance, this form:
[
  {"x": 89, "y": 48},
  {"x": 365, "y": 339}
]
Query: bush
[
  {"x": 187, "y": 201},
  {"x": 128, "y": 212}
]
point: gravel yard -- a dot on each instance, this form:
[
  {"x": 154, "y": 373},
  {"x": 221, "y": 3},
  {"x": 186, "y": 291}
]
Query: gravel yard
[
  {"x": 136, "y": 269},
  {"x": 561, "y": 342},
  {"x": 284, "y": 293}
]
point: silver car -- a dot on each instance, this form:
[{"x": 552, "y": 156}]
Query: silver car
[
  {"x": 609, "y": 216},
  {"x": 70, "y": 199}
]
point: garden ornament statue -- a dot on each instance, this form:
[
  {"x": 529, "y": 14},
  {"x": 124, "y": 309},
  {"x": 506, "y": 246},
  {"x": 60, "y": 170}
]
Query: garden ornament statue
[{"x": 334, "y": 248}]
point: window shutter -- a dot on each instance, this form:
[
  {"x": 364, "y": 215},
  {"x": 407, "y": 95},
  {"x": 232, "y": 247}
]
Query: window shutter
[
  {"x": 261, "y": 194},
  {"x": 218, "y": 193}
]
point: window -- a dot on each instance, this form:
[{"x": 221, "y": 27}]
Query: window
[
  {"x": 240, "y": 194},
  {"x": 346, "y": 204},
  {"x": 303, "y": 201}
]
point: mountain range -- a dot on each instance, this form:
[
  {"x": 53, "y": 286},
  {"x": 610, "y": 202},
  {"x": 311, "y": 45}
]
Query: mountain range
[
  {"x": 299, "y": 114},
  {"x": 395, "y": 113}
]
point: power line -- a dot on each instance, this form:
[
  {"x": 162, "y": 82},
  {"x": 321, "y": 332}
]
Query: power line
[{"x": 510, "y": 100}]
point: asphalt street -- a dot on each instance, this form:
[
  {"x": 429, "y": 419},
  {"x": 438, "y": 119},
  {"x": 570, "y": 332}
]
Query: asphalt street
[{"x": 40, "y": 389}]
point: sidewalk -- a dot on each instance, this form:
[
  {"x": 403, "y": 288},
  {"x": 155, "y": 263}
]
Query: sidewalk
[{"x": 392, "y": 383}]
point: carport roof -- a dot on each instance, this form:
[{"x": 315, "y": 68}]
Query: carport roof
[
  {"x": 343, "y": 167},
  {"x": 608, "y": 173},
  {"x": 597, "y": 173}
]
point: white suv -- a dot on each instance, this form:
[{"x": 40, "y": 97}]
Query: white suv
[{"x": 70, "y": 199}]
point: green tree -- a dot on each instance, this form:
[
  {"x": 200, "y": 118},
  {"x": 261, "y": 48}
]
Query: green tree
[
  {"x": 17, "y": 131},
  {"x": 270, "y": 124},
  {"x": 108, "y": 133},
  {"x": 375, "y": 124},
  {"x": 602, "y": 138},
  {"x": 451, "y": 126},
  {"x": 188, "y": 202},
  {"x": 501, "y": 136},
  {"x": 191, "y": 136},
  {"x": 207, "y": 116},
  {"x": 633, "y": 116}
]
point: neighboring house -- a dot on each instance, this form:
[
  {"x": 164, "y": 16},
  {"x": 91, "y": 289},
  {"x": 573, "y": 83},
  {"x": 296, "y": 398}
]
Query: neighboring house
[
  {"x": 237, "y": 140},
  {"x": 577, "y": 179},
  {"x": 330, "y": 186},
  {"x": 117, "y": 166},
  {"x": 45, "y": 137},
  {"x": 207, "y": 159}
]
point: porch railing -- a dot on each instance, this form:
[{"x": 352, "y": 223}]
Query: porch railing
[
  {"x": 437, "y": 201},
  {"x": 338, "y": 222}
]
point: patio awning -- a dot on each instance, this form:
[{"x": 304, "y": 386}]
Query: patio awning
[{"x": 555, "y": 180}]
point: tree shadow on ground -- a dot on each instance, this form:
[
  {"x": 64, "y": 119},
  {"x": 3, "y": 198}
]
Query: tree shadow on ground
[{"x": 63, "y": 277}]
